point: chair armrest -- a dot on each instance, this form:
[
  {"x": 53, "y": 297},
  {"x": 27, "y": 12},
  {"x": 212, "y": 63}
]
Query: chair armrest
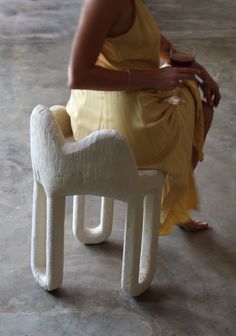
[{"x": 101, "y": 148}]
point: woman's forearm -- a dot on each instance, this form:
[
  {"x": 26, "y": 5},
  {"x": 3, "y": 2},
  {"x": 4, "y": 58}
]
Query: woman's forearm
[
  {"x": 99, "y": 78},
  {"x": 103, "y": 79}
]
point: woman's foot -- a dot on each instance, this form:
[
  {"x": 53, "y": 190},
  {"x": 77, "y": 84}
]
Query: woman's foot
[{"x": 194, "y": 225}]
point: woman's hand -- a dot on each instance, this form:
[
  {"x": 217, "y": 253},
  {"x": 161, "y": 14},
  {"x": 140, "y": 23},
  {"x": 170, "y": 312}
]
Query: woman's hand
[
  {"x": 209, "y": 87},
  {"x": 168, "y": 78},
  {"x": 211, "y": 91}
]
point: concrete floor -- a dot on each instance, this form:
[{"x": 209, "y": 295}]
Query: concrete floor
[{"x": 193, "y": 292}]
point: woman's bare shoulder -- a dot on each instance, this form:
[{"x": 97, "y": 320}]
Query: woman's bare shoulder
[
  {"x": 96, "y": 21},
  {"x": 104, "y": 6},
  {"x": 101, "y": 15}
]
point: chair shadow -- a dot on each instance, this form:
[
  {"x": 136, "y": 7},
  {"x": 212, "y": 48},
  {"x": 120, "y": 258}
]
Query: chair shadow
[{"x": 158, "y": 294}]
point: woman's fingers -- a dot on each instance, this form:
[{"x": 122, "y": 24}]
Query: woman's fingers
[
  {"x": 217, "y": 95},
  {"x": 214, "y": 94},
  {"x": 208, "y": 97},
  {"x": 186, "y": 77},
  {"x": 217, "y": 98},
  {"x": 171, "y": 77},
  {"x": 187, "y": 73},
  {"x": 190, "y": 70}
]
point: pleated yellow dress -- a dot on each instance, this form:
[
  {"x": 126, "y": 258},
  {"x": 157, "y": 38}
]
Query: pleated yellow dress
[{"x": 161, "y": 135}]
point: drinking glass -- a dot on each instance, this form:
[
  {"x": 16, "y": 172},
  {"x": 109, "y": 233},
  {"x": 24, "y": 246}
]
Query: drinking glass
[{"x": 180, "y": 56}]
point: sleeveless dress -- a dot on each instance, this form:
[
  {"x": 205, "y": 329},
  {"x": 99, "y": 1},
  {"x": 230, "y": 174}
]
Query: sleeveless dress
[{"x": 161, "y": 135}]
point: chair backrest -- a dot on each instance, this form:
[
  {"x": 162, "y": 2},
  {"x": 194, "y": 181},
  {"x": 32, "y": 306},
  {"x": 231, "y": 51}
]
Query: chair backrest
[
  {"x": 63, "y": 119},
  {"x": 101, "y": 163}
]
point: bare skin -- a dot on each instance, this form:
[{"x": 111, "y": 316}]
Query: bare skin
[
  {"x": 108, "y": 18},
  {"x": 105, "y": 18}
]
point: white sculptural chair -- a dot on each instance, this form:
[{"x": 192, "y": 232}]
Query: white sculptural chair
[{"x": 101, "y": 164}]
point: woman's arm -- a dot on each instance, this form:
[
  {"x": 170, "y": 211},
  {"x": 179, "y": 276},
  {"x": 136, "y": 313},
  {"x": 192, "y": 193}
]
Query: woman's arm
[{"x": 97, "y": 20}]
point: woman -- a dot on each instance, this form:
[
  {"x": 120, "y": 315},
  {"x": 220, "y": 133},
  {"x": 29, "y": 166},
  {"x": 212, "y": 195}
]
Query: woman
[{"x": 117, "y": 83}]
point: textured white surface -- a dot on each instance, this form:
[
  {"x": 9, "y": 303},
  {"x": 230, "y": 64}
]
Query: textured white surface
[{"x": 101, "y": 164}]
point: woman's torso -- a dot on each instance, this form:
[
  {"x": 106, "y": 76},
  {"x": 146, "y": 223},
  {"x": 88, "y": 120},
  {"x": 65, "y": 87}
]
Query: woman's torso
[{"x": 138, "y": 48}]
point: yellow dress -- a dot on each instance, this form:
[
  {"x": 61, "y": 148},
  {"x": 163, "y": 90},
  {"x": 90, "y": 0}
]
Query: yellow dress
[{"x": 161, "y": 135}]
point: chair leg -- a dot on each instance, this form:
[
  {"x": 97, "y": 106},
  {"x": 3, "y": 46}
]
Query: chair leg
[
  {"x": 47, "y": 247},
  {"x": 140, "y": 243},
  {"x": 150, "y": 235},
  {"x": 92, "y": 235}
]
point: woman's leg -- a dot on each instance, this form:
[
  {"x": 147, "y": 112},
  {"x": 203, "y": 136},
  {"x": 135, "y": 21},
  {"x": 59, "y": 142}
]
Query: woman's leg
[{"x": 208, "y": 112}]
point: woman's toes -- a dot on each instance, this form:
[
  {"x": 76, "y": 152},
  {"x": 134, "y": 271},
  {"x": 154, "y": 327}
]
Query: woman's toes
[{"x": 194, "y": 225}]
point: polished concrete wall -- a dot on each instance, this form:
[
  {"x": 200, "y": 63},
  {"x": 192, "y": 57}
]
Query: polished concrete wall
[{"x": 193, "y": 292}]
